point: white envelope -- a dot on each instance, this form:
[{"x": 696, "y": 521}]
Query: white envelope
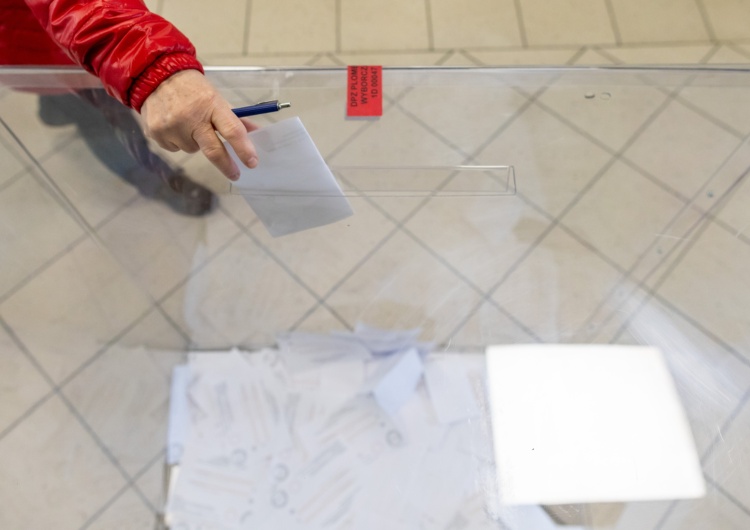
[
  {"x": 292, "y": 189},
  {"x": 591, "y": 423}
]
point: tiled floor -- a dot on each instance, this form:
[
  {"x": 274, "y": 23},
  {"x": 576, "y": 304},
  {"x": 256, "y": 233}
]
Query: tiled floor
[{"x": 606, "y": 239}]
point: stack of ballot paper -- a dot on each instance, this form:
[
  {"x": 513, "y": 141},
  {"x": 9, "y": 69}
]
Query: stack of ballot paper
[{"x": 362, "y": 430}]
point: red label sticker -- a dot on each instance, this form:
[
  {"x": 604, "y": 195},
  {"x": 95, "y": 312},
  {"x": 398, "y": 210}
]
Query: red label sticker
[{"x": 364, "y": 91}]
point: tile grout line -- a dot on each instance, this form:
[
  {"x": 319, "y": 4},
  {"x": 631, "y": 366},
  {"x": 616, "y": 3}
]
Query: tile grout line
[
  {"x": 382, "y": 243},
  {"x": 699, "y": 228},
  {"x": 339, "y": 31},
  {"x": 295, "y": 277},
  {"x": 430, "y": 26},
  {"x": 246, "y": 28},
  {"x": 613, "y": 22},
  {"x": 592, "y": 181},
  {"x": 734, "y": 47},
  {"x": 131, "y": 485},
  {"x": 67, "y": 205},
  {"x": 666, "y": 515},
  {"x": 734, "y": 500},
  {"x": 57, "y": 391},
  {"x": 489, "y": 49},
  {"x": 726, "y": 425},
  {"x": 521, "y": 25},
  {"x": 708, "y": 26},
  {"x": 687, "y": 206}
]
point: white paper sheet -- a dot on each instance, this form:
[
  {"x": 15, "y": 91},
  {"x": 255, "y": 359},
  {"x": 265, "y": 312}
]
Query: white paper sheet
[
  {"x": 450, "y": 386},
  {"x": 300, "y": 438},
  {"x": 179, "y": 414},
  {"x": 394, "y": 380},
  {"x": 593, "y": 423},
  {"x": 292, "y": 189}
]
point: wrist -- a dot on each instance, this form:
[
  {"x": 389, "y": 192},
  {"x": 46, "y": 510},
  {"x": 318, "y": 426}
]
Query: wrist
[{"x": 157, "y": 73}]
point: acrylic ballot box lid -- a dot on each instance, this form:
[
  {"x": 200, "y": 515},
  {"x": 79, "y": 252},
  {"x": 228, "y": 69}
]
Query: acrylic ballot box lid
[{"x": 491, "y": 206}]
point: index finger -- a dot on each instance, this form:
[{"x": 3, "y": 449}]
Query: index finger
[
  {"x": 215, "y": 152},
  {"x": 235, "y": 132}
]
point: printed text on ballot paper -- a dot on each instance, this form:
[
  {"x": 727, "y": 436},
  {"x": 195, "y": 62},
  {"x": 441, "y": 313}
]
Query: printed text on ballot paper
[{"x": 364, "y": 91}]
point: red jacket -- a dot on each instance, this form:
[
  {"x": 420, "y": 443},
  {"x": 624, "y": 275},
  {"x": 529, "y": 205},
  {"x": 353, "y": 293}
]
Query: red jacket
[{"x": 129, "y": 48}]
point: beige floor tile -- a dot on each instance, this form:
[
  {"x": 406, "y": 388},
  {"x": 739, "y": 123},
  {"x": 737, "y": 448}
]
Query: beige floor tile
[
  {"x": 647, "y": 55},
  {"x": 322, "y": 320},
  {"x": 659, "y": 21},
  {"x": 591, "y": 57},
  {"x": 469, "y": 113},
  {"x": 218, "y": 29},
  {"x": 457, "y": 58},
  {"x": 152, "y": 5},
  {"x": 642, "y": 515},
  {"x": 386, "y": 25},
  {"x": 235, "y": 207},
  {"x": 19, "y": 110},
  {"x": 713, "y": 511},
  {"x": 552, "y": 162},
  {"x": 161, "y": 248},
  {"x": 474, "y": 23},
  {"x": 622, "y": 214},
  {"x": 611, "y": 112},
  {"x": 555, "y": 289},
  {"x": 525, "y": 57},
  {"x": 710, "y": 380},
  {"x": 482, "y": 237},
  {"x": 33, "y": 229},
  {"x": 712, "y": 287},
  {"x": 72, "y": 309},
  {"x": 90, "y": 186},
  {"x": 12, "y": 162},
  {"x": 164, "y": 344},
  {"x": 124, "y": 397},
  {"x": 392, "y": 59},
  {"x": 266, "y": 61},
  {"x": 50, "y": 457},
  {"x": 743, "y": 48},
  {"x": 21, "y": 385},
  {"x": 682, "y": 149},
  {"x": 292, "y": 26},
  {"x": 729, "y": 55},
  {"x": 728, "y": 18},
  {"x": 563, "y": 22},
  {"x": 151, "y": 484},
  {"x": 127, "y": 513},
  {"x": 488, "y": 326},
  {"x": 376, "y": 146},
  {"x": 401, "y": 287},
  {"x": 327, "y": 60},
  {"x": 729, "y": 464},
  {"x": 728, "y": 104},
  {"x": 240, "y": 298},
  {"x": 322, "y": 256},
  {"x": 736, "y": 213}
]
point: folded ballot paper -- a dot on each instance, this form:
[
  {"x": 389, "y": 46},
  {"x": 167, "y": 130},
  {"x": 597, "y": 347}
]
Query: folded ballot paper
[
  {"x": 589, "y": 424},
  {"x": 362, "y": 430},
  {"x": 292, "y": 189}
]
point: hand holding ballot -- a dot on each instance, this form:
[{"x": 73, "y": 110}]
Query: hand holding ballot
[{"x": 185, "y": 112}]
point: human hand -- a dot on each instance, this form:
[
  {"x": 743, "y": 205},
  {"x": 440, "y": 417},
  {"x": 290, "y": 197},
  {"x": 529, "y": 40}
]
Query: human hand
[{"x": 185, "y": 112}]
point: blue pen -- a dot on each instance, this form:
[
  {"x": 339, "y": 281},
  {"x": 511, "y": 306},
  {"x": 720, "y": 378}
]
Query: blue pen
[{"x": 260, "y": 108}]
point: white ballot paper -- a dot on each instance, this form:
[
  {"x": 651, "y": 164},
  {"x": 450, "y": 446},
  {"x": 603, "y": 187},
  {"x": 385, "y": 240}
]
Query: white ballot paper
[
  {"x": 297, "y": 438},
  {"x": 292, "y": 189},
  {"x": 588, "y": 423}
]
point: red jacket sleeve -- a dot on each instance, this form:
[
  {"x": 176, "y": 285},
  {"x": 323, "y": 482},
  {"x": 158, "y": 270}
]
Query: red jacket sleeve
[{"x": 120, "y": 41}]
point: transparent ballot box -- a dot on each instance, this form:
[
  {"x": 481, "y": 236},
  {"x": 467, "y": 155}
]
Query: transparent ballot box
[{"x": 534, "y": 312}]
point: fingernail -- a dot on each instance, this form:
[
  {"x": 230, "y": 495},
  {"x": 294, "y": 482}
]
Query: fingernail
[
  {"x": 234, "y": 176},
  {"x": 252, "y": 162}
]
